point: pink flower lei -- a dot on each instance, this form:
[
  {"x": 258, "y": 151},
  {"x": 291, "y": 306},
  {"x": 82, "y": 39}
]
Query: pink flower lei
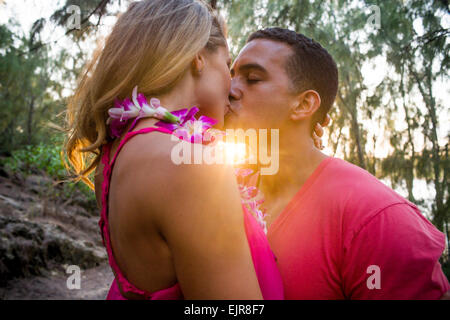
[
  {"x": 180, "y": 122},
  {"x": 251, "y": 196}
]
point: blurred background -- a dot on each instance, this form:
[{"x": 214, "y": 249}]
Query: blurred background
[{"x": 391, "y": 117}]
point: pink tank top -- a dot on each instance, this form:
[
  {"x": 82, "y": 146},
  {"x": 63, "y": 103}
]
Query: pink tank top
[{"x": 263, "y": 258}]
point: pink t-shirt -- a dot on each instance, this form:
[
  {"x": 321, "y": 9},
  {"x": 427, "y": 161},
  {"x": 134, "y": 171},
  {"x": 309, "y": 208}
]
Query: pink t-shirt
[{"x": 345, "y": 235}]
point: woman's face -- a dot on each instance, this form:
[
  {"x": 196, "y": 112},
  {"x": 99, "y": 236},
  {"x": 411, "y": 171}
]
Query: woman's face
[{"x": 213, "y": 85}]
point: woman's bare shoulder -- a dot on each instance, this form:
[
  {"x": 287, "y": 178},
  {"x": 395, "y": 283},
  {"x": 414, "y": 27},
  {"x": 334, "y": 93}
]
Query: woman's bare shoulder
[{"x": 163, "y": 185}]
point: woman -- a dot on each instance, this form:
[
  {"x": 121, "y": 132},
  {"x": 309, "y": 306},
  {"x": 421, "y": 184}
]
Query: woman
[{"x": 171, "y": 231}]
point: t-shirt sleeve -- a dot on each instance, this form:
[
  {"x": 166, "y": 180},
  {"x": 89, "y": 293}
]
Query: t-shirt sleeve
[{"x": 394, "y": 255}]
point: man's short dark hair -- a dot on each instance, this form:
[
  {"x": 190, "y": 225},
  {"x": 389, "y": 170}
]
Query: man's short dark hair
[{"x": 310, "y": 67}]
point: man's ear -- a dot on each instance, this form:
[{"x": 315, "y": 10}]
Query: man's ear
[
  {"x": 198, "y": 64},
  {"x": 306, "y": 104}
]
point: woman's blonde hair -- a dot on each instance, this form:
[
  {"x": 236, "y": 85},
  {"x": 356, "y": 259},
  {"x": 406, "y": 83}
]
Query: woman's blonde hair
[{"x": 151, "y": 46}]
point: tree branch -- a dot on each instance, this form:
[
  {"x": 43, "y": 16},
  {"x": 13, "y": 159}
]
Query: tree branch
[{"x": 100, "y": 8}]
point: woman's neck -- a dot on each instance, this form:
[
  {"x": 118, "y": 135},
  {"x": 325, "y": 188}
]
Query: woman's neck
[{"x": 181, "y": 96}]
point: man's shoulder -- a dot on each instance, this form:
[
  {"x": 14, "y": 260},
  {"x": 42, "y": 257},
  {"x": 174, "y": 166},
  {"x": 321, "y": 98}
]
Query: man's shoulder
[
  {"x": 366, "y": 203},
  {"x": 358, "y": 194},
  {"x": 357, "y": 186}
]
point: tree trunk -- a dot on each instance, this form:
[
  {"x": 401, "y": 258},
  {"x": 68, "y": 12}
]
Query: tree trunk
[
  {"x": 30, "y": 121},
  {"x": 439, "y": 212},
  {"x": 355, "y": 130},
  {"x": 357, "y": 136},
  {"x": 336, "y": 144},
  {"x": 410, "y": 169}
]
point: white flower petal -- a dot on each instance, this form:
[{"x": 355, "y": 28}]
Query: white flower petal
[
  {"x": 161, "y": 112},
  {"x": 129, "y": 115},
  {"x": 135, "y": 101},
  {"x": 115, "y": 113},
  {"x": 147, "y": 111},
  {"x": 155, "y": 103}
]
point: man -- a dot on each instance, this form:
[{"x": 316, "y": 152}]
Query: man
[{"x": 337, "y": 232}]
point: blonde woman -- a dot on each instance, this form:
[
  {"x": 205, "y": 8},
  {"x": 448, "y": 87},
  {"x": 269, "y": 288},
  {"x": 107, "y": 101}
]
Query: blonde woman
[{"x": 171, "y": 232}]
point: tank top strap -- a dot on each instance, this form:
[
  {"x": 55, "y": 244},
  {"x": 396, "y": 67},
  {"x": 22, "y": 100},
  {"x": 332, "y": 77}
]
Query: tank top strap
[
  {"x": 108, "y": 166},
  {"x": 169, "y": 293},
  {"x": 132, "y": 134}
]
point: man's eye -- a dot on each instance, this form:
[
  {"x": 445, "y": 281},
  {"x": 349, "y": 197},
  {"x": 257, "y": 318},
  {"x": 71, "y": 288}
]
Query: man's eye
[{"x": 253, "y": 81}]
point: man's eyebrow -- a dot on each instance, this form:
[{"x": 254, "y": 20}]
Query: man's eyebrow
[
  {"x": 248, "y": 67},
  {"x": 252, "y": 66}
]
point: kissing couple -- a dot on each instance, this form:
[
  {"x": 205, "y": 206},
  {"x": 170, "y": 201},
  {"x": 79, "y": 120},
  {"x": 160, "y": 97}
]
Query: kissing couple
[{"x": 318, "y": 228}]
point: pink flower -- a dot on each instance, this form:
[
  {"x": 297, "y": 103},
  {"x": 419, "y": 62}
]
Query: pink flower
[
  {"x": 189, "y": 129},
  {"x": 137, "y": 108},
  {"x": 251, "y": 196}
]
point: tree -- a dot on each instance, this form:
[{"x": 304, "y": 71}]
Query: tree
[
  {"x": 24, "y": 80},
  {"x": 419, "y": 60}
]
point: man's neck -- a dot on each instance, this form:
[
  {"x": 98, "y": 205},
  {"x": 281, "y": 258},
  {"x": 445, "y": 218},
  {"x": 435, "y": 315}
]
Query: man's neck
[{"x": 298, "y": 159}]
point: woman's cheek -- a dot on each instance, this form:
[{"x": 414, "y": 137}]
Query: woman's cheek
[
  {"x": 211, "y": 98},
  {"x": 227, "y": 79}
]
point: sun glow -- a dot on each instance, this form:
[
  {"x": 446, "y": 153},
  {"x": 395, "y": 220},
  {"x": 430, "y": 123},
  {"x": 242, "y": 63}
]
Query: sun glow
[{"x": 235, "y": 153}]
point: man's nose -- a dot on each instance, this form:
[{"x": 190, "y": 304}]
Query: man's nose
[{"x": 235, "y": 91}]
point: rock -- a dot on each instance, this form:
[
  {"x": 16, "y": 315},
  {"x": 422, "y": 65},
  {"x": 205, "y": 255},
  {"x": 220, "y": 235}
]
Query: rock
[
  {"x": 11, "y": 202},
  {"x": 21, "y": 252},
  {"x": 18, "y": 178},
  {"x": 94, "y": 285},
  {"x": 28, "y": 248},
  {"x": 86, "y": 206},
  {"x": 3, "y": 173},
  {"x": 37, "y": 184},
  {"x": 88, "y": 244},
  {"x": 34, "y": 210},
  {"x": 40, "y": 235}
]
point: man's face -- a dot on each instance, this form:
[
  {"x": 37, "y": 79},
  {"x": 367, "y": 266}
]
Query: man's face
[{"x": 260, "y": 87}]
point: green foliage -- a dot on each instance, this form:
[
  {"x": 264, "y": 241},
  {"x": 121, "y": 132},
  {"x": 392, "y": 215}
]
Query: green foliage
[
  {"x": 25, "y": 85},
  {"x": 41, "y": 157},
  {"x": 45, "y": 159}
]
